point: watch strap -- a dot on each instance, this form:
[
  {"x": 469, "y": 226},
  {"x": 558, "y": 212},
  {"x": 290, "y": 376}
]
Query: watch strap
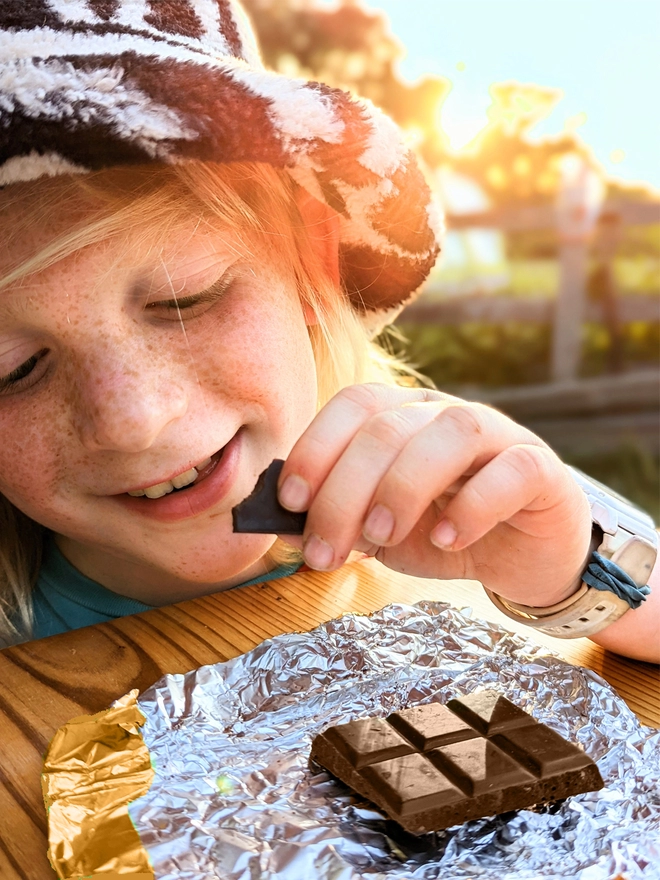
[
  {"x": 590, "y": 609},
  {"x": 616, "y": 576},
  {"x": 583, "y": 614}
]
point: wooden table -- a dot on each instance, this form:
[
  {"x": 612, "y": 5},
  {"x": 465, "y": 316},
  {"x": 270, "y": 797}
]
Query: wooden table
[{"x": 45, "y": 683}]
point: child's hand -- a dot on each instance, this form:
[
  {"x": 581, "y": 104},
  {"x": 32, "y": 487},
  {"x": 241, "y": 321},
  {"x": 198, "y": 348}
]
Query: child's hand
[{"x": 437, "y": 487}]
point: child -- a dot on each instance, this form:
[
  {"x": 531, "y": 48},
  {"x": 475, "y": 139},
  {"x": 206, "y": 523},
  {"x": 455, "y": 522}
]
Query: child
[{"x": 196, "y": 256}]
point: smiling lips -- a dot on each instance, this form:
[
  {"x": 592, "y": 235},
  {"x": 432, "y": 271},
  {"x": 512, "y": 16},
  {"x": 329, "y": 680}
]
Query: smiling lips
[
  {"x": 158, "y": 490},
  {"x": 212, "y": 480}
]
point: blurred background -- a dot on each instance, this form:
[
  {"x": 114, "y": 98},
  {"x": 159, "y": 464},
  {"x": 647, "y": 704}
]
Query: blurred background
[{"x": 537, "y": 125}]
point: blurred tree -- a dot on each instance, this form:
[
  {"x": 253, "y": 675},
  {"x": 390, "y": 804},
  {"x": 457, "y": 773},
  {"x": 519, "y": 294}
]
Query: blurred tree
[
  {"x": 509, "y": 167},
  {"x": 348, "y": 47},
  {"x": 351, "y": 47}
]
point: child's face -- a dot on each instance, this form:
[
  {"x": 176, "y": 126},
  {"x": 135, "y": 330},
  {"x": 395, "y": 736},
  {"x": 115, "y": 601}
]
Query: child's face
[{"x": 115, "y": 390}]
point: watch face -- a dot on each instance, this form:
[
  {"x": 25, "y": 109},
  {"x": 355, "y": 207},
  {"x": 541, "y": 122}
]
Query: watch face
[
  {"x": 609, "y": 497},
  {"x": 583, "y": 479}
]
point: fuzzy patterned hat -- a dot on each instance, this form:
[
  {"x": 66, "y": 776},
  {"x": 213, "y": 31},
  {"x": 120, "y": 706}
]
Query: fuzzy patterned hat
[{"x": 91, "y": 84}]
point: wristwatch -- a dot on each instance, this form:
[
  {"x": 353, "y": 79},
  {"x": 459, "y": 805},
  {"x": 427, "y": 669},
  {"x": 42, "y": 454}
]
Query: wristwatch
[{"x": 625, "y": 545}]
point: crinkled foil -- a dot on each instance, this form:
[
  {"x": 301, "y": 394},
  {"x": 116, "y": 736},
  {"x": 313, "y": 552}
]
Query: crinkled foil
[{"x": 234, "y": 797}]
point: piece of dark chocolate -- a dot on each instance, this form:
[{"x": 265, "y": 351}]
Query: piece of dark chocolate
[
  {"x": 433, "y": 766},
  {"x": 261, "y": 513}
]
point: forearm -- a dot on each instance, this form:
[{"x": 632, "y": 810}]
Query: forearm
[{"x": 637, "y": 633}]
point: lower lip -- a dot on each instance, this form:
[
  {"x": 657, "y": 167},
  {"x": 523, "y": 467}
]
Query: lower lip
[{"x": 196, "y": 499}]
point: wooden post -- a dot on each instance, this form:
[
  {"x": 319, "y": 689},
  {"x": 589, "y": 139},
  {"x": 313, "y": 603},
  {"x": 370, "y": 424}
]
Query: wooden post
[
  {"x": 577, "y": 209},
  {"x": 608, "y": 236},
  {"x": 569, "y": 311}
]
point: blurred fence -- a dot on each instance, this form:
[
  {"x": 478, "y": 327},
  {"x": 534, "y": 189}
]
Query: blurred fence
[
  {"x": 496, "y": 309},
  {"x": 574, "y": 415},
  {"x": 588, "y": 416},
  {"x": 570, "y": 308}
]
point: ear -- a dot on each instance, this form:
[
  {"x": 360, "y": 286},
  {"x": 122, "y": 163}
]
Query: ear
[{"x": 323, "y": 230}]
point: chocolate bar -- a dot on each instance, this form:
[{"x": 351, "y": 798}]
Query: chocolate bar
[
  {"x": 261, "y": 513},
  {"x": 433, "y": 766}
]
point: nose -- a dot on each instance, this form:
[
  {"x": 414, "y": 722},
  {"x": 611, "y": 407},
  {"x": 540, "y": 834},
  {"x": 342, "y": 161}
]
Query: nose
[{"x": 122, "y": 402}]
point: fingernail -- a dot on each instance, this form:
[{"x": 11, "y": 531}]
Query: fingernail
[
  {"x": 379, "y": 525},
  {"x": 294, "y": 493},
  {"x": 444, "y": 535},
  {"x": 318, "y": 553}
]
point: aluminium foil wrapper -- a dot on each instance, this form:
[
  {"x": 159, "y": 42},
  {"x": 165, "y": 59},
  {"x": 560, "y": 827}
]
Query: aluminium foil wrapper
[{"x": 234, "y": 797}]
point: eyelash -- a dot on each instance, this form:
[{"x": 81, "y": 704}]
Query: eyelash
[
  {"x": 213, "y": 293},
  {"x": 14, "y": 381}
]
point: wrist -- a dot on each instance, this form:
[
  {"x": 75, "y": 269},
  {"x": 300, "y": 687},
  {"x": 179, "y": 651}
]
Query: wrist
[
  {"x": 574, "y": 585},
  {"x": 564, "y": 579},
  {"x": 615, "y": 576}
]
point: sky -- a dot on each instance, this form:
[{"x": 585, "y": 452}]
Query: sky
[{"x": 604, "y": 55}]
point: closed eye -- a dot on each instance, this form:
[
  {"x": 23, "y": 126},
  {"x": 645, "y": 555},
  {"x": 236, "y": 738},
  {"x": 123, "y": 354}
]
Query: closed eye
[
  {"x": 191, "y": 306},
  {"x": 25, "y": 375}
]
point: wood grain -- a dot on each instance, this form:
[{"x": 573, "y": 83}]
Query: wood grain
[{"x": 45, "y": 683}]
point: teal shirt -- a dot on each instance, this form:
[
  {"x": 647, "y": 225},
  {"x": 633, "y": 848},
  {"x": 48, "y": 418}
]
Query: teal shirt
[{"x": 64, "y": 599}]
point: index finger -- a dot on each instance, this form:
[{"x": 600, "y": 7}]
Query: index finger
[{"x": 331, "y": 431}]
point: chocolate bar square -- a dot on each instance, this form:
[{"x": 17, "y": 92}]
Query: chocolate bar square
[
  {"x": 432, "y": 766},
  {"x": 261, "y": 513}
]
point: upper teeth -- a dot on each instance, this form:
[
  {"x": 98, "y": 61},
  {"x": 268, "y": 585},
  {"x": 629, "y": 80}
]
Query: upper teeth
[{"x": 160, "y": 489}]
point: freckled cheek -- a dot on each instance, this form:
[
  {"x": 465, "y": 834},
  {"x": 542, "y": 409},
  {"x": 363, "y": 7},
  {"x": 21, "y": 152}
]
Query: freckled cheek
[
  {"x": 31, "y": 457},
  {"x": 264, "y": 362}
]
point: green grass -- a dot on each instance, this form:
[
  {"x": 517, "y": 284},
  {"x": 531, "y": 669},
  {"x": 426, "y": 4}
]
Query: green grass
[
  {"x": 638, "y": 275},
  {"x": 515, "y": 353},
  {"x": 534, "y": 277}
]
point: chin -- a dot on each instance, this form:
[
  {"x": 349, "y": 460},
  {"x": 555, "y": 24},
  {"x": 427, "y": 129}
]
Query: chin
[{"x": 228, "y": 568}]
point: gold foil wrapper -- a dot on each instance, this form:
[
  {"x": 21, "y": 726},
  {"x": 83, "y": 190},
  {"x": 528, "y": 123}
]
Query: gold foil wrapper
[{"x": 94, "y": 767}]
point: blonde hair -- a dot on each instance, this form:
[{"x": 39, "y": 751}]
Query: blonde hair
[{"x": 253, "y": 200}]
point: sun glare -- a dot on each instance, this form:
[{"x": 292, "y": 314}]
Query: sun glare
[{"x": 461, "y": 130}]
